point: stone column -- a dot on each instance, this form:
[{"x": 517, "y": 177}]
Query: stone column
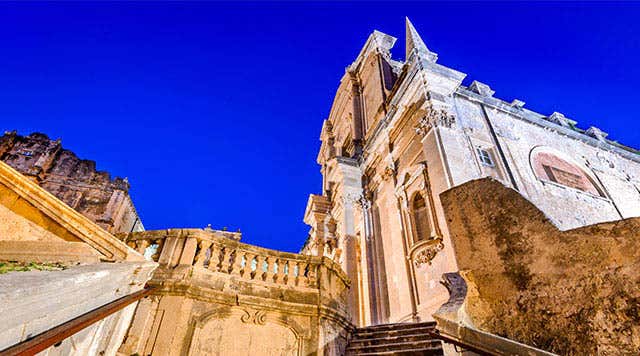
[{"x": 349, "y": 176}]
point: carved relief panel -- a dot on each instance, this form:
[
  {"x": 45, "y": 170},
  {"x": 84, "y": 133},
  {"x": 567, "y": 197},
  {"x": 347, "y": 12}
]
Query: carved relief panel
[{"x": 244, "y": 331}]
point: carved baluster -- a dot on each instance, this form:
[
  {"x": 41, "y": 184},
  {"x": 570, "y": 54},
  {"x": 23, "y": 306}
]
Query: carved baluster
[
  {"x": 259, "y": 272},
  {"x": 246, "y": 265},
  {"x": 225, "y": 264},
  {"x": 214, "y": 260},
  {"x": 159, "y": 244},
  {"x": 276, "y": 269},
  {"x": 300, "y": 273},
  {"x": 141, "y": 245},
  {"x": 270, "y": 266},
  {"x": 286, "y": 270},
  {"x": 202, "y": 253},
  {"x": 312, "y": 275},
  {"x": 236, "y": 267}
]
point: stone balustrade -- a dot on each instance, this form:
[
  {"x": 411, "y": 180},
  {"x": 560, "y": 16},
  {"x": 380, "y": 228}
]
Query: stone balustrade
[
  {"x": 212, "y": 291},
  {"x": 221, "y": 252}
]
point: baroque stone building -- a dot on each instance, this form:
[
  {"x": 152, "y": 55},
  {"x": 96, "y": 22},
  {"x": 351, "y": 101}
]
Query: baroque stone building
[
  {"x": 447, "y": 217},
  {"x": 401, "y": 133},
  {"x": 76, "y": 182}
]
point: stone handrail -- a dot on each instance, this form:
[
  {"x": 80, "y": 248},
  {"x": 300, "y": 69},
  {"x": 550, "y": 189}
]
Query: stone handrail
[{"x": 219, "y": 251}]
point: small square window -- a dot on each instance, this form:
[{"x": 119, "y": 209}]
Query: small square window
[{"x": 485, "y": 157}]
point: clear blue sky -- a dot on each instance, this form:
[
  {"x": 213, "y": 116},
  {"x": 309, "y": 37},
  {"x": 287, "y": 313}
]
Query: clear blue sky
[{"x": 214, "y": 110}]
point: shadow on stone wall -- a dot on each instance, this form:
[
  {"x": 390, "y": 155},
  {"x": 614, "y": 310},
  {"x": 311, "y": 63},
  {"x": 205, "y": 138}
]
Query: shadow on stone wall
[{"x": 569, "y": 292}]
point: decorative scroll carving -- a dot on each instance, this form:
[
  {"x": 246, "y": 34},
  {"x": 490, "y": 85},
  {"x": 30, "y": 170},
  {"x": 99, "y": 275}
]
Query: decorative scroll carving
[
  {"x": 258, "y": 317},
  {"x": 434, "y": 118},
  {"x": 427, "y": 253},
  {"x": 457, "y": 288}
]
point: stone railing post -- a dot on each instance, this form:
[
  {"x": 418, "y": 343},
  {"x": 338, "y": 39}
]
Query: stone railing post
[
  {"x": 225, "y": 264},
  {"x": 277, "y": 270},
  {"x": 236, "y": 267},
  {"x": 270, "y": 266},
  {"x": 247, "y": 268},
  {"x": 300, "y": 273},
  {"x": 286, "y": 270},
  {"x": 172, "y": 249},
  {"x": 259, "y": 267},
  {"x": 188, "y": 251},
  {"x": 202, "y": 253},
  {"x": 214, "y": 260},
  {"x": 312, "y": 275}
]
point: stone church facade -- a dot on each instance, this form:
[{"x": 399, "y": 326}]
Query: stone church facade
[
  {"x": 399, "y": 134},
  {"x": 449, "y": 222}
]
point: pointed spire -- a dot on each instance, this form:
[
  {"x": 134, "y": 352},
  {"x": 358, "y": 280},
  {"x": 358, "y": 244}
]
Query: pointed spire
[{"x": 414, "y": 42}]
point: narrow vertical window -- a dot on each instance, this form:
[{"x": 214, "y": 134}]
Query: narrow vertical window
[{"x": 421, "y": 219}]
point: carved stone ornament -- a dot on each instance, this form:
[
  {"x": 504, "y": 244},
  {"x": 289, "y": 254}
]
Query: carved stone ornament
[
  {"x": 351, "y": 198},
  {"x": 427, "y": 254},
  {"x": 388, "y": 172},
  {"x": 258, "y": 317},
  {"x": 434, "y": 118}
]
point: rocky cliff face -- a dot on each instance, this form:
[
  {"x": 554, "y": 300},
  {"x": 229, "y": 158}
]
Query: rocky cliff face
[
  {"x": 75, "y": 181},
  {"x": 570, "y": 292}
]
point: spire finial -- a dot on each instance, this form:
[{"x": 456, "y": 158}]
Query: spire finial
[{"x": 415, "y": 42}]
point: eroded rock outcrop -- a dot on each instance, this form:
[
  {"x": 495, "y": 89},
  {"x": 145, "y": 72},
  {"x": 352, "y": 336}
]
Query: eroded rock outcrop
[{"x": 569, "y": 292}]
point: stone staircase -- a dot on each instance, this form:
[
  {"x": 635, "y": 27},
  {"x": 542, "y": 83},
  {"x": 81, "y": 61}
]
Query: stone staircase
[{"x": 395, "y": 339}]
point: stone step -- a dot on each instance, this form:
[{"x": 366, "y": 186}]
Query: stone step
[
  {"x": 366, "y": 334},
  {"x": 386, "y": 339},
  {"x": 409, "y": 352},
  {"x": 399, "y": 326},
  {"x": 427, "y": 345},
  {"x": 395, "y": 339}
]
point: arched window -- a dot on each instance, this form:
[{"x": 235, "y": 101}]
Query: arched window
[
  {"x": 420, "y": 219},
  {"x": 550, "y": 167}
]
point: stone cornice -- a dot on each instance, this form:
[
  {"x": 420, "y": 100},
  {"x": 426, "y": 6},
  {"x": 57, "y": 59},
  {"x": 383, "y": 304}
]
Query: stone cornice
[
  {"x": 539, "y": 120},
  {"x": 377, "y": 42},
  {"x": 319, "y": 204}
]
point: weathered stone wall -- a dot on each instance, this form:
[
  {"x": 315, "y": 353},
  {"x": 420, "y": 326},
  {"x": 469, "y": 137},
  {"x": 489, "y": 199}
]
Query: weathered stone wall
[
  {"x": 570, "y": 292},
  {"x": 36, "y": 301},
  {"x": 74, "y": 181},
  {"x": 520, "y": 133},
  {"x": 21, "y": 221}
]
